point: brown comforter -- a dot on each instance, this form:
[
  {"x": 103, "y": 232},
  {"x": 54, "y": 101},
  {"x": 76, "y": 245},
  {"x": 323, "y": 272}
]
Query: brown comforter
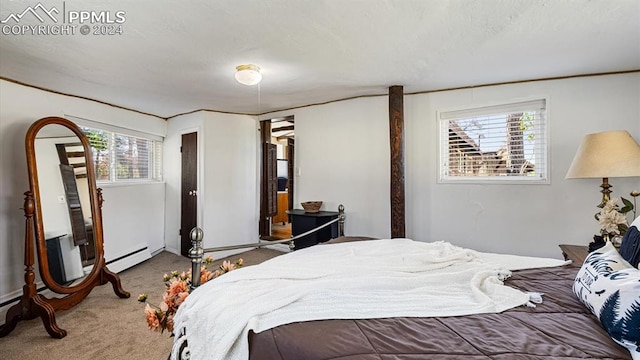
[{"x": 559, "y": 328}]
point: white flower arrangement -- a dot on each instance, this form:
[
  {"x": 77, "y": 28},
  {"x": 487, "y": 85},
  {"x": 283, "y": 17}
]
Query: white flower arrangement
[{"x": 613, "y": 218}]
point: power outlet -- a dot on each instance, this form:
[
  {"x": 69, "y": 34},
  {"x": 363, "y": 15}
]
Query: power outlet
[{"x": 61, "y": 199}]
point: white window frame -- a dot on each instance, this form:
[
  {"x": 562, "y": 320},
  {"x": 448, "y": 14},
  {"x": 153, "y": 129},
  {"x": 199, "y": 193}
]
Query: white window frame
[
  {"x": 155, "y": 160},
  {"x": 541, "y": 131}
]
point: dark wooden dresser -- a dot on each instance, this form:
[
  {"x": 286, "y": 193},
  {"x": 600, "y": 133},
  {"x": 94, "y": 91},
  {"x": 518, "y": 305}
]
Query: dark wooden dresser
[
  {"x": 575, "y": 253},
  {"x": 302, "y": 222}
]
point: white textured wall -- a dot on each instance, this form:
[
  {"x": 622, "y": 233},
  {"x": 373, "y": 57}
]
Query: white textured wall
[
  {"x": 230, "y": 199},
  {"x": 342, "y": 153},
  {"x": 520, "y": 219},
  {"x": 176, "y": 127},
  {"x": 132, "y": 214},
  {"x": 55, "y": 215},
  {"x": 342, "y": 150},
  {"x": 227, "y": 178}
]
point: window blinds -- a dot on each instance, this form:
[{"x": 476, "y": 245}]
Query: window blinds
[
  {"x": 495, "y": 143},
  {"x": 121, "y": 154}
]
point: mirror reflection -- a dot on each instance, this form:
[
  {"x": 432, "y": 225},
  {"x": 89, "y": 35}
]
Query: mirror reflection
[{"x": 65, "y": 204}]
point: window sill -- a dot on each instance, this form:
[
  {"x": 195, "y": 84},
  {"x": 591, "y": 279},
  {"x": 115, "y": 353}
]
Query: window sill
[
  {"x": 494, "y": 181},
  {"x": 105, "y": 185}
]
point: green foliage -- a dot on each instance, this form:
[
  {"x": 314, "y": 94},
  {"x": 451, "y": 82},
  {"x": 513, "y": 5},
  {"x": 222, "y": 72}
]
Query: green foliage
[
  {"x": 623, "y": 228},
  {"x": 627, "y": 206},
  {"x": 123, "y": 171},
  {"x": 97, "y": 139},
  {"x": 526, "y": 123}
]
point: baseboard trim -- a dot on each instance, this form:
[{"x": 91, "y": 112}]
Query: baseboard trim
[
  {"x": 158, "y": 251},
  {"x": 116, "y": 265},
  {"x": 279, "y": 247},
  {"x": 129, "y": 260},
  {"x": 13, "y": 297}
]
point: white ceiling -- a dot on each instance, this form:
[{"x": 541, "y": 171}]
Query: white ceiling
[{"x": 180, "y": 56}]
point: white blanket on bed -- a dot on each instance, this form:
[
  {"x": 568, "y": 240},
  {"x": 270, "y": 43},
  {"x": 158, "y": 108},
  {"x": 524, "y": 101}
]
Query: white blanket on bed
[{"x": 354, "y": 280}]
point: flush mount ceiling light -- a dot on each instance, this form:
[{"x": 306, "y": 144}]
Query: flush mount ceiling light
[{"x": 248, "y": 74}]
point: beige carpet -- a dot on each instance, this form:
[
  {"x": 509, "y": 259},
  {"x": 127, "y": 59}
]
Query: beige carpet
[{"x": 104, "y": 326}]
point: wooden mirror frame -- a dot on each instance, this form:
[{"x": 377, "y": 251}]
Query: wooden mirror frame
[{"x": 32, "y": 304}]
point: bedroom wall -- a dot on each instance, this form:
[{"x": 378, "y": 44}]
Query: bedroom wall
[
  {"x": 343, "y": 153},
  {"x": 342, "y": 157},
  {"x": 514, "y": 218},
  {"x": 227, "y": 178},
  {"x": 125, "y": 206},
  {"x": 55, "y": 215}
]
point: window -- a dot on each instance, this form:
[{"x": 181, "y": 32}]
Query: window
[
  {"x": 123, "y": 155},
  {"x": 502, "y": 143}
]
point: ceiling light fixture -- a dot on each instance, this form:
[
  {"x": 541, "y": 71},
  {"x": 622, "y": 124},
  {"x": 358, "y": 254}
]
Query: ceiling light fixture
[{"x": 248, "y": 74}]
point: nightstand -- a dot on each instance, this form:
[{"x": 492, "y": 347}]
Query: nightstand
[
  {"x": 575, "y": 253},
  {"x": 302, "y": 222}
]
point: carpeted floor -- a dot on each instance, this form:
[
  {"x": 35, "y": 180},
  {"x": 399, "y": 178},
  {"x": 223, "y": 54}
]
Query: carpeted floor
[{"x": 104, "y": 326}]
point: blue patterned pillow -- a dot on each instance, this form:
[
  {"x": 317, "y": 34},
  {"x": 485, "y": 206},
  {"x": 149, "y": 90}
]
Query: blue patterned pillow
[
  {"x": 610, "y": 287},
  {"x": 630, "y": 248}
]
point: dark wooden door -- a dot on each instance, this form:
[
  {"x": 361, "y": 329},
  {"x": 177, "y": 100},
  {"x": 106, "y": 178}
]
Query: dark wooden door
[
  {"x": 73, "y": 204},
  {"x": 290, "y": 170},
  {"x": 271, "y": 178},
  {"x": 189, "y": 190},
  {"x": 268, "y": 189},
  {"x": 82, "y": 231},
  {"x": 264, "y": 222}
]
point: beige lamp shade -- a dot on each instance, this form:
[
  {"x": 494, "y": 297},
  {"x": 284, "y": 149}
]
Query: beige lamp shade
[{"x": 606, "y": 155}]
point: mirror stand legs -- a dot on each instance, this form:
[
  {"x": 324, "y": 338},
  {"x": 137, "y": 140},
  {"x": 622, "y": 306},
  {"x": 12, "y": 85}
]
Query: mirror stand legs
[
  {"x": 36, "y": 306},
  {"x": 108, "y": 276},
  {"x": 31, "y": 304},
  {"x": 13, "y": 316},
  {"x": 41, "y": 307}
]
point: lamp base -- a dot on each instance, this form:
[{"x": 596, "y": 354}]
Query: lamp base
[
  {"x": 606, "y": 192},
  {"x": 598, "y": 242}
]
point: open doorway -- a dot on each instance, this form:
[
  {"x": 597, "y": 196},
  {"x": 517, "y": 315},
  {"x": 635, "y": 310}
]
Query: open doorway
[{"x": 277, "y": 181}]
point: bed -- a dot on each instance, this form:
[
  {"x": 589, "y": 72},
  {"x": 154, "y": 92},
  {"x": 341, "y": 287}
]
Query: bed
[{"x": 561, "y": 327}]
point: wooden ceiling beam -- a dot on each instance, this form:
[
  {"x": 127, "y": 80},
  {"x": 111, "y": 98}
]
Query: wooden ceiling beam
[{"x": 282, "y": 128}]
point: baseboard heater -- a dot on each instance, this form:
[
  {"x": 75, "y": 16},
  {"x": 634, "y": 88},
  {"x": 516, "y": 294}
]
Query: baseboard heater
[
  {"x": 128, "y": 260},
  {"x": 116, "y": 265},
  {"x": 15, "y": 300}
]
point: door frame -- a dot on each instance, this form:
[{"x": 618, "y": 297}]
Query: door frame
[
  {"x": 199, "y": 181},
  {"x": 263, "y": 223}
]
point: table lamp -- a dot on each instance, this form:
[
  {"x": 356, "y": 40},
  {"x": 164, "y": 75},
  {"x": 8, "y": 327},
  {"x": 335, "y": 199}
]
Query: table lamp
[{"x": 604, "y": 155}]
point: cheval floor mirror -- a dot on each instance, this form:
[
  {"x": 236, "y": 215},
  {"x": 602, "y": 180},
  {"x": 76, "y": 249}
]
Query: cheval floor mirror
[{"x": 64, "y": 230}]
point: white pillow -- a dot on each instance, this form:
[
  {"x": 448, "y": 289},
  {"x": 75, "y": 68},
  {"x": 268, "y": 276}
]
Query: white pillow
[{"x": 610, "y": 287}]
